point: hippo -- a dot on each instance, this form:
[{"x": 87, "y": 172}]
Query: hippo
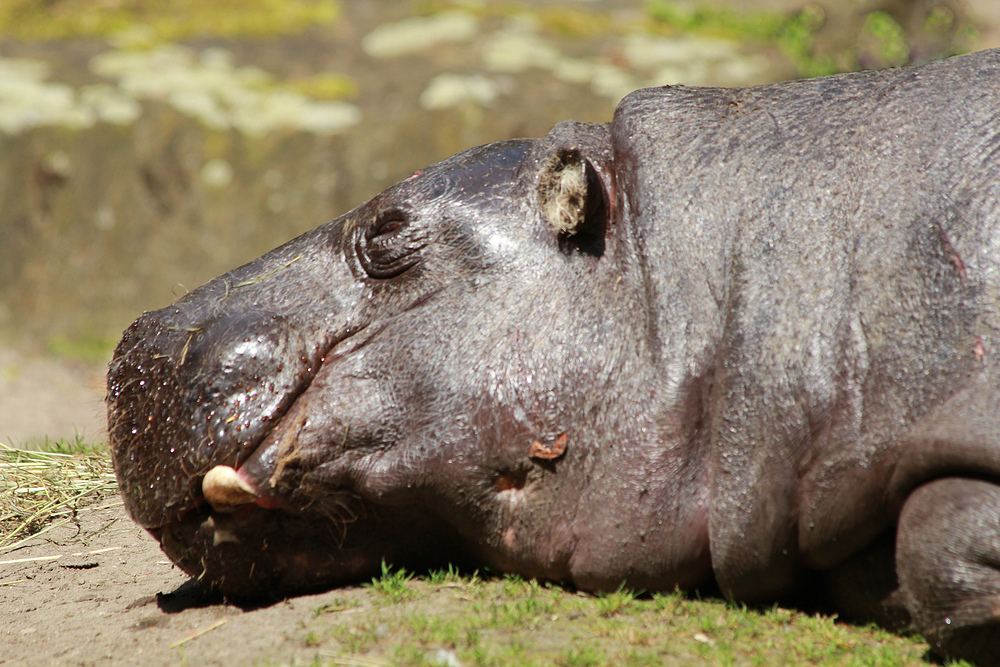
[{"x": 742, "y": 340}]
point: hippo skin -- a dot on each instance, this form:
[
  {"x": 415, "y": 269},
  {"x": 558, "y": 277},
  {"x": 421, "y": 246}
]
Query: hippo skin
[{"x": 742, "y": 340}]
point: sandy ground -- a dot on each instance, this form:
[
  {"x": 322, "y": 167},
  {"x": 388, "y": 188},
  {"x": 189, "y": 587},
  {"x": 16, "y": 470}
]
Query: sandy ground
[
  {"x": 100, "y": 592},
  {"x": 44, "y": 398}
]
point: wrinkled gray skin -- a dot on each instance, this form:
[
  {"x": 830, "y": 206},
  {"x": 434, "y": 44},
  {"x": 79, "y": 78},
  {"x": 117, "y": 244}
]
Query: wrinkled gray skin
[{"x": 762, "y": 322}]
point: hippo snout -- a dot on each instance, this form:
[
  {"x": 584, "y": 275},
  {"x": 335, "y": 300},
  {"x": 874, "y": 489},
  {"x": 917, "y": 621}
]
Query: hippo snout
[{"x": 186, "y": 396}]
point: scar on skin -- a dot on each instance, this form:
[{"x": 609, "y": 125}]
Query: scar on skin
[
  {"x": 285, "y": 453},
  {"x": 508, "y": 538},
  {"x": 510, "y": 487},
  {"x": 548, "y": 450}
]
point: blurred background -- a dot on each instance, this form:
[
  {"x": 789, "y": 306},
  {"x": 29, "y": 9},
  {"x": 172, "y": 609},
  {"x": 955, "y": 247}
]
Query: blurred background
[{"x": 149, "y": 145}]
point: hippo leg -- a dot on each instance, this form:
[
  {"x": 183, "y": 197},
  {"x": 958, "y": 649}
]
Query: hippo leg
[{"x": 948, "y": 562}]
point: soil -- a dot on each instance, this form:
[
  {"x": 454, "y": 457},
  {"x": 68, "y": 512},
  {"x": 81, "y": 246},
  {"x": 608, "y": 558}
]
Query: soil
[
  {"x": 47, "y": 399},
  {"x": 106, "y": 595}
]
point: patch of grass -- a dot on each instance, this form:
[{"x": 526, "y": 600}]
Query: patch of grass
[
  {"x": 583, "y": 655},
  {"x": 507, "y": 620},
  {"x": 519, "y": 603},
  {"x": 394, "y": 584},
  {"x": 42, "y": 489},
  {"x": 164, "y": 20},
  {"x": 445, "y": 576},
  {"x": 436, "y": 630},
  {"x": 358, "y": 638},
  {"x": 609, "y": 604}
]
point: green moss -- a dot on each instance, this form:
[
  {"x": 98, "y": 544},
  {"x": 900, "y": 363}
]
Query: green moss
[
  {"x": 793, "y": 34},
  {"x": 795, "y": 38},
  {"x": 164, "y": 19},
  {"x": 574, "y": 23},
  {"x": 890, "y": 48}
]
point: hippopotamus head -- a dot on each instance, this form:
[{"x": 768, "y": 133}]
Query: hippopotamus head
[{"x": 386, "y": 385}]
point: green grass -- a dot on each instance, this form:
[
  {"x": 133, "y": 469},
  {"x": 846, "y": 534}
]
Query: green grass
[
  {"x": 406, "y": 620},
  {"x": 394, "y": 584},
  {"x": 609, "y": 604}
]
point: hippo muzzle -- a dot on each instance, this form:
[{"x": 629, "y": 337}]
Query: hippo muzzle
[{"x": 206, "y": 416}]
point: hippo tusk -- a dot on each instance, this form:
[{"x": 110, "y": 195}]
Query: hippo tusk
[{"x": 224, "y": 489}]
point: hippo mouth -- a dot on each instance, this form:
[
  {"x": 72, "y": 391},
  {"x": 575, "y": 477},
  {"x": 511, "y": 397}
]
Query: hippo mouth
[
  {"x": 183, "y": 400},
  {"x": 189, "y": 407}
]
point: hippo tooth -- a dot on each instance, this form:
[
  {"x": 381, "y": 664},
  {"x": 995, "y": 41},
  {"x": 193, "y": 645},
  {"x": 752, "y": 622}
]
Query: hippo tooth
[{"x": 224, "y": 488}]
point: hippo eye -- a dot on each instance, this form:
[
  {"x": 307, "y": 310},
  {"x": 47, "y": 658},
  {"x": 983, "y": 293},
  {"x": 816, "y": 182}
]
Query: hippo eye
[
  {"x": 389, "y": 246},
  {"x": 388, "y": 223}
]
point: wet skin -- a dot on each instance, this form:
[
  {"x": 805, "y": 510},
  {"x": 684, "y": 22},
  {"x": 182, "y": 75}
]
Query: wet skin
[{"x": 741, "y": 338}]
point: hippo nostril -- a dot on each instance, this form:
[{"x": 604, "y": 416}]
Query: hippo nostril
[{"x": 224, "y": 489}]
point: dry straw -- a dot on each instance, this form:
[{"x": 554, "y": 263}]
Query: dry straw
[{"x": 40, "y": 490}]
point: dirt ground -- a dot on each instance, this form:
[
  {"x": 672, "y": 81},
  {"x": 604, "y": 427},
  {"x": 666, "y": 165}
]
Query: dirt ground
[
  {"x": 45, "y": 398},
  {"x": 102, "y": 593}
]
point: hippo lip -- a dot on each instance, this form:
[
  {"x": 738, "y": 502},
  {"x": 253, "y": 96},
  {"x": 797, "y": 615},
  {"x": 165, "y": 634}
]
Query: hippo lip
[
  {"x": 249, "y": 479},
  {"x": 255, "y": 478},
  {"x": 182, "y": 402},
  {"x": 230, "y": 489}
]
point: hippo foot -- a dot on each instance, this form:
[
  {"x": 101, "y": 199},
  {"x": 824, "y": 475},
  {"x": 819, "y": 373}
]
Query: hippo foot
[{"x": 948, "y": 562}]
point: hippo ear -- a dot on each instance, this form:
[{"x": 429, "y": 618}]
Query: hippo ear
[{"x": 573, "y": 201}]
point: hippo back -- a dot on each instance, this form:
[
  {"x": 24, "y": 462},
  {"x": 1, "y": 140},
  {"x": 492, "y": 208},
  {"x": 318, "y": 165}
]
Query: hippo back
[{"x": 829, "y": 252}]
